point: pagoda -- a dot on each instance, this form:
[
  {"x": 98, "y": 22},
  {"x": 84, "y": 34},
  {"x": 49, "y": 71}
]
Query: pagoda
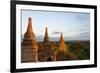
[
  {"x": 46, "y": 52},
  {"x": 29, "y": 46},
  {"x": 62, "y": 44}
]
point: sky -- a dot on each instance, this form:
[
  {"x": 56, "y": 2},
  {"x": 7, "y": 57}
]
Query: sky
[{"x": 73, "y": 25}]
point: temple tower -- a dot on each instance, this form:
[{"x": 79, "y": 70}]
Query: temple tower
[
  {"x": 45, "y": 46},
  {"x": 29, "y": 46},
  {"x": 45, "y": 51},
  {"x": 62, "y": 44},
  {"x": 46, "y": 37}
]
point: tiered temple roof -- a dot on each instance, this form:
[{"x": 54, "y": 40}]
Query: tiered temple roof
[{"x": 29, "y": 45}]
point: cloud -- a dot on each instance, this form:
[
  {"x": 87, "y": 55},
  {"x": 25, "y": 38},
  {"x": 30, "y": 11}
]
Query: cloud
[
  {"x": 39, "y": 36},
  {"x": 55, "y": 32},
  {"x": 83, "y": 33},
  {"x": 77, "y": 32},
  {"x": 83, "y": 18}
]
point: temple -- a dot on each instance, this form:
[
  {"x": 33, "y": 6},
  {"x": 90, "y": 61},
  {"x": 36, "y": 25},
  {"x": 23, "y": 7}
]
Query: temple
[
  {"x": 45, "y": 51},
  {"x": 29, "y": 46},
  {"x": 33, "y": 51},
  {"x": 62, "y": 44}
]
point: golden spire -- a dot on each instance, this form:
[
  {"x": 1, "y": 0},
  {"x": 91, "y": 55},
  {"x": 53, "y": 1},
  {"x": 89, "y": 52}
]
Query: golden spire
[
  {"x": 29, "y": 29},
  {"x": 46, "y": 37},
  {"x": 29, "y": 35},
  {"x": 61, "y": 38},
  {"x": 62, "y": 44}
]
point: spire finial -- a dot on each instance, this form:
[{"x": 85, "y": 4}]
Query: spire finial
[
  {"x": 30, "y": 18},
  {"x": 46, "y": 34},
  {"x": 61, "y": 35},
  {"x": 46, "y": 37},
  {"x": 29, "y": 29}
]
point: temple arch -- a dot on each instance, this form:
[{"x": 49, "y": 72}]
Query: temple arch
[{"x": 49, "y": 59}]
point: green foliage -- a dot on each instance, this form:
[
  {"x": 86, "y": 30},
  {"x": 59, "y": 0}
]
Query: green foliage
[
  {"x": 83, "y": 54},
  {"x": 81, "y": 49},
  {"x": 76, "y": 50}
]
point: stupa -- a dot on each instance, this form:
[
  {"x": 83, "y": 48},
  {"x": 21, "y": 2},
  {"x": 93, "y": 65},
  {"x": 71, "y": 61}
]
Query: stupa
[
  {"x": 29, "y": 46},
  {"x": 62, "y": 44},
  {"x": 46, "y": 52}
]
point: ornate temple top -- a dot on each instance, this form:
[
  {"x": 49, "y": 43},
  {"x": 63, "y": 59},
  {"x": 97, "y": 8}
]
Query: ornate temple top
[
  {"x": 29, "y": 29},
  {"x": 29, "y": 36}
]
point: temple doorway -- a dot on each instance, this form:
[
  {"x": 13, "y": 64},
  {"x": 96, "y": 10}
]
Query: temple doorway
[{"x": 49, "y": 59}]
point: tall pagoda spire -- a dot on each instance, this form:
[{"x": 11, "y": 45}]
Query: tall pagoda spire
[
  {"x": 62, "y": 44},
  {"x": 29, "y": 35},
  {"x": 29, "y": 29},
  {"x": 61, "y": 38},
  {"x": 46, "y": 46},
  {"x": 29, "y": 45},
  {"x": 46, "y": 37}
]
